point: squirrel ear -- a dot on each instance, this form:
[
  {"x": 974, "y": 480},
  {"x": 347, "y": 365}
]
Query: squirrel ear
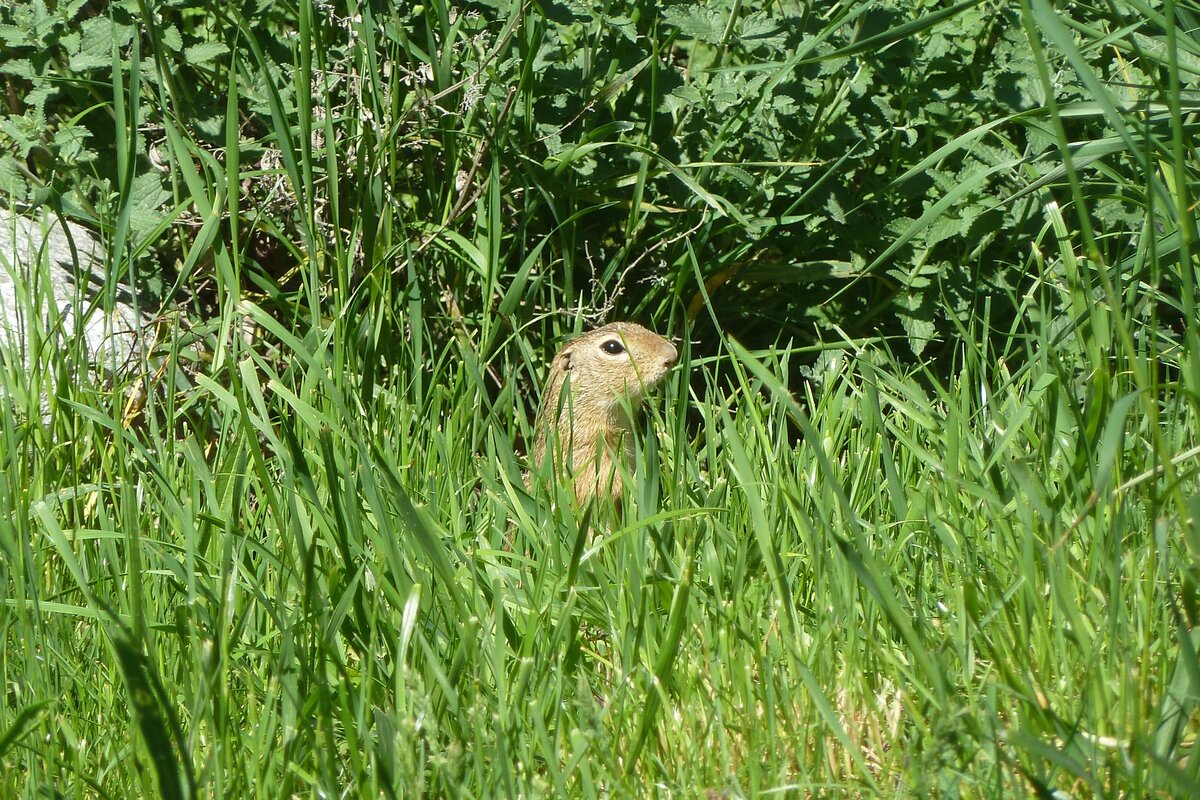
[{"x": 565, "y": 358}]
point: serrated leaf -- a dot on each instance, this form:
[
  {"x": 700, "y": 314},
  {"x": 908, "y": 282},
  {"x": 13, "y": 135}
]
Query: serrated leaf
[
  {"x": 171, "y": 38},
  {"x": 916, "y": 319},
  {"x": 760, "y": 30},
  {"x": 672, "y": 104},
  {"x": 205, "y": 51},
  {"x": 12, "y": 178},
  {"x": 940, "y": 229},
  {"x": 1156, "y": 49},
  {"x": 71, "y": 10},
  {"x": 69, "y": 141},
  {"x": 19, "y": 67},
  {"x": 25, "y": 131},
  {"x": 36, "y": 99},
  {"x": 12, "y": 36},
  {"x": 85, "y": 61},
  {"x": 95, "y": 46},
  {"x": 148, "y": 198},
  {"x": 624, "y": 26},
  {"x": 696, "y": 22}
]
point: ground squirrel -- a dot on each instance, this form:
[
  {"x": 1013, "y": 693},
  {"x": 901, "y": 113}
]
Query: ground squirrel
[{"x": 596, "y": 382}]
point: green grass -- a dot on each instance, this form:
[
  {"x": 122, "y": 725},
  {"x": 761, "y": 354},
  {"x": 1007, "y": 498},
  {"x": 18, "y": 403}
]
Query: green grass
[
  {"x": 965, "y": 587},
  {"x": 305, "y": 562}
]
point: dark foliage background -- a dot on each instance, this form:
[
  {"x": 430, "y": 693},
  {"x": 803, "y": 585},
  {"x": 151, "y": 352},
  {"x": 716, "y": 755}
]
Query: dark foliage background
[{"x": 816, "y": 173}]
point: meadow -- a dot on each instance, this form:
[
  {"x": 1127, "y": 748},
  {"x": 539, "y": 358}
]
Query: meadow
[{"x": 916, "y": 514}]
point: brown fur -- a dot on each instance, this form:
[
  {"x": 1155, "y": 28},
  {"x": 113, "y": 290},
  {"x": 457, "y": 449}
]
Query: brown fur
[{"x": 586, "y": 405}]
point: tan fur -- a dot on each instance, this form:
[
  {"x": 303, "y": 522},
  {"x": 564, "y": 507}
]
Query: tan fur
[{"x": 586, "y": 403}]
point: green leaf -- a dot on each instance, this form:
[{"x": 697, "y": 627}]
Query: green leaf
[{"x": 204, "y": 52}]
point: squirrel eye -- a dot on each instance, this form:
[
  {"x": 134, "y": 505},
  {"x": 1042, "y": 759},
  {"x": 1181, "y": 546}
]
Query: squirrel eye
[{"x": 613, "y": 347}]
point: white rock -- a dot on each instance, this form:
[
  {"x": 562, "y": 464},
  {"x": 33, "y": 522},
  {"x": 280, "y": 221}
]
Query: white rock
[{"x": 52, "y": 292}]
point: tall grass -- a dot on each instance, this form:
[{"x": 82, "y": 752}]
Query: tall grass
[{"x": 309, "y": 564}]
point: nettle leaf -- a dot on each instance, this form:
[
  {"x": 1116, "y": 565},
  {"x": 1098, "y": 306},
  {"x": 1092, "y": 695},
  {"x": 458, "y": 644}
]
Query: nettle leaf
[
  {"x": 12, "y": 178},
  {"x": 883, "y": 103},
  {"x": 147, "y": 197},
  {"x": 759, "y": 30},
  {"x": 967, "y": 214},
  {"x": 25, "y": 131},
  {"x": 990, "y": 154},
  {"x": 68, "y": 11},
  {"x": 35, "y": 19},
  {"x": 1155, "y": 48},
  {"x": 37, "y": 98},
  {"x": 171, "y": 38},
  {"x": 210, "y": 127},
  {"x": 899, "y": 225},
  {"x": 749, "y": 88},
  {"x": 673, "y": 103},
  {"x": 740, "y": 176},
  {"x": 784, "y": 107},
  {"x": 624, "y": 26},
  {"x": 916, "y": 312},
  {"x": 860, "y": 79},
  {"x": 830, "y": 66},
  {"x": 548, "y": 54},
  {"x": 70, "y": 143},
  {"x": 19, "y": 67},
  {"x": 19, "y": 19},
  {"x": 943, "y": 180},
  {"x": 551, "y": 138},
  {"x": 941, "y": 229},
  {"x": 580, "y": 9},
  {"x": 689, "y": 94},
  {"x": 14, "y": 36},
  {"x": 696, "y": 22},
  {"x": 205, "y": 51},
  {"x": 836, "y": 212},
  {"x": 1120, "y": 213},
  {"x": 939, "y": 109},
  {"x": 70, "y": 41},
  {"x": 256, "y": 94},
  {"x": 96, "y": 44},
  {"x": 1130, "y": 89}
]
